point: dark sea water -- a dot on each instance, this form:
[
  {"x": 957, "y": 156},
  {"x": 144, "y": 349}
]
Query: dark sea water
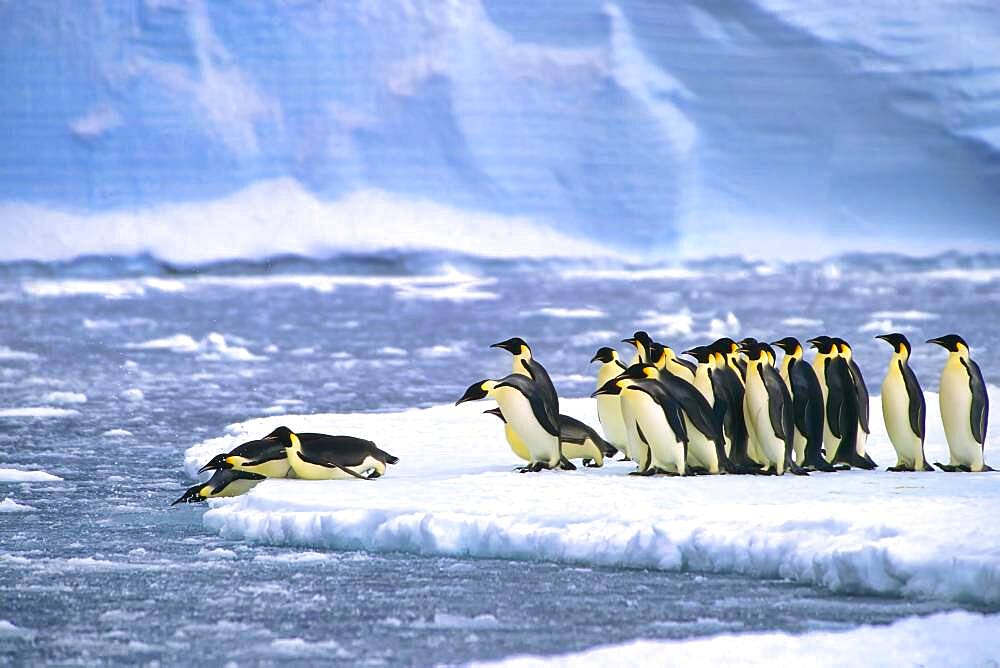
[{"x": 102, "y": 569}]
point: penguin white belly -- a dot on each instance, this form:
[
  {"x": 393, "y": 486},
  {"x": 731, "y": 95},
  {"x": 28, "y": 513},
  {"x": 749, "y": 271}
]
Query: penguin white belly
[
  {"x": 753, "y": 448},
  {"x": 586, "y": 450},
  {"x": 542, "y": 446},
  {"x": 515, "y": 443},
  {"x": 638, "y": 451},
  {"x": 701, "y": 449},
  {"x": 609, "y": 413},
  {"x": 771, "y": 449},
  {"x": 799, "y": 445},
  {"x": 956, "y": 409},
  {"x": 680, "y": 370},
  {"x": 308, "y": 471},
  {"x": 236, "y": 487},
  {"x": 665, "y": 452},
  {"x": 896, "y": 412},
  {"x": 276, "y": 468},
  {"x": 703, "y": 383}
]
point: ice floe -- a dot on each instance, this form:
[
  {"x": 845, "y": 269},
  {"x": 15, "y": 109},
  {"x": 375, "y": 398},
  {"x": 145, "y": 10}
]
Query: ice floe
[
  {"x": 212, "y": 347},
  {"x": 945, "y": 639},
  {"x": 66, "y": 397},
  {"x": 9, "y": 505},
  {"x": 38, "y": 412},
  {"x": 16, "y": 475},
  {"x": 454, "y": 493}
]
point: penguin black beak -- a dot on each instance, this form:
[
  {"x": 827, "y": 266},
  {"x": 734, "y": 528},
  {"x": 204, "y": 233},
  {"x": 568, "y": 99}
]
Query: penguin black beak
[
  {"x": 885, "y": 337},
  {"x": 937, "y": 341},
  {"x": 610, "y": 387},
  {"x": 631, "y": 341},
  {"x": 217, "y": 462},
  {"x": 190, "y": 496},
  {"x": 596, "y": 358}
]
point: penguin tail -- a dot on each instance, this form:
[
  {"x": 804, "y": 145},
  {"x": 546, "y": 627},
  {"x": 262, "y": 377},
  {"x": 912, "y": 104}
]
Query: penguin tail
[
  {"x": 390, "y": 459},
  {"x": 608, "y": 449}
]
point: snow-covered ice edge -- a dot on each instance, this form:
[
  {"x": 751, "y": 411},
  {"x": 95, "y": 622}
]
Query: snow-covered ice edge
[
  {"x": 923, "y": 535},
  {"x": 945, "y": 639}
]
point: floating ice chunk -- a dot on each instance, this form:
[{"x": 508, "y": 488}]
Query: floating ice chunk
[
  {"x": 944, "y": 639},
  {"x": 9, "y": 354},
  {"x": 572, "y": 313},
  {"x": 117, "y": 433},
  {"x": 216, "y": 553},
  {"x": 212, "y": 347},
  {"x": 299, "y": 648},
  {"x": 857, "y": 531},
  {"x": 9, "y": 505},
  {"x": 15, "y": 475},
  {"x": 66, "y": 397},
  {"x": 38, "y": 412},
  {"x": 133, "y": 394},
  {"x": 10, "y": 631}
]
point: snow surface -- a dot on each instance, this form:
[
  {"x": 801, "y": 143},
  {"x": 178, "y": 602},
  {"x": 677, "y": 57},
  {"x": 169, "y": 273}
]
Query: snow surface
[
  {"x": 15, "y": 475},
  {"x": 945, "y": 639},
  {"x": 920, "y": 535}
]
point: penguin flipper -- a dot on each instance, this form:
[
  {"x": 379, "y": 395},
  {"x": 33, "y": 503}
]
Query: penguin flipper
[
  {"x": 330, "y": 465},
  {"x": 980, "y": 413},
  {"x": 918, "y": 407}
]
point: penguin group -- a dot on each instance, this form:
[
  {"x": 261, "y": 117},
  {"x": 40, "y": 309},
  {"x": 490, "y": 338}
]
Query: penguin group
[
  {"x": 735, "y": 410},
  {"x": 287, "y": 454},
  {"x": 528, "y": 405}
]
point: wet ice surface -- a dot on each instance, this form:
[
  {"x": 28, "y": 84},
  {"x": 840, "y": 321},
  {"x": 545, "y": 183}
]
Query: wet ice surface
[{"x": 101, "y": 568}]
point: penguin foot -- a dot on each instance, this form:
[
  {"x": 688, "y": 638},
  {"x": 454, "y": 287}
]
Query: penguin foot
[
  {"x": 820, "y": 464},
  {"x": 644, "y": 473},
  {"x": 946, "y": 467},
  {"x": 988, "y": 469},
  {"x": 591, "y": 464},
  {"x": 566, "y": 465},
  {"x": 624, "y": 458},
  {"x": 898, "y": 469},
  {"x": 672, "y": 474},
  {"x": 768, "y": 471},
  {"x": 698, "y": 470},
  {"x": 795, "y": 469},
  {"x": 373, "y": 474}
]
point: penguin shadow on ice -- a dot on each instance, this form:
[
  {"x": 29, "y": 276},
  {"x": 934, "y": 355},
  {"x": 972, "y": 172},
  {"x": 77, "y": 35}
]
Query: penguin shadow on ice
[
  {"x": 287, "y": 454},
  {"x": 528, "y": 406}
]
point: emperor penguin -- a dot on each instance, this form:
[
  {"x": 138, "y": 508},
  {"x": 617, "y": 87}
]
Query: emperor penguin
[
  {"x": 965, "y": 407},
  {"x": 526, "y": 365},
  {"x": 706, "y": 445},
  {"x": 734, "y": 421},
  {"x": 523, "y": 405},
  {"x": 655, "y": 427},
  {"x": 576, "y": 439},
  {"x": 769, "y": 412},
  {"x": 903, "y": 407},
  {"x": 840, "y": 401},
  {"x": 664, "y": 358},
  {"x": 731, "y": 350},
  {"x": 334, "y": 457},
  {"x": 224, "y": 482},
  {"x": 609, "y": 408},
  {"x": 642, "y": 342},
  {"x": 863, "y": 398},
  {"x": 807, "y": 406},
  {"x": 265, "y": 456}
]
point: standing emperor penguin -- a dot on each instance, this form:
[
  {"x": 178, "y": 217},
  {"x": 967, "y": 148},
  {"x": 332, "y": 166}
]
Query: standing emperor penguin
[
  {"x": 965, "y": 407},
  {"x": 655, "y": 427},
  {"x": 642, "y": 342},
  {"x": 524, "y": 408},
  {"x": 664, "y": 358},
  {"x": 526, "y": 365},
  {"x": 840, "y": 424},
  {"x": 609, "y": 407},
  {"x": 903, "y": 407},
  {"x": 706, "y": 444},
  {"x": 807, "y": 406},
  {"x": 770, "y": 412},
  {"x": 864, "y": 401},
  {"x": 734, "y": 420}
]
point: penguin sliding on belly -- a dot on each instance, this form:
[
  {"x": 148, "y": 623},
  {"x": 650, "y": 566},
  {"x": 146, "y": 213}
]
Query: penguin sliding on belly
[
  {"x": 224, "y": 482},
  {"x": 333, "y": 457},
  {"x": 265, "y": 456},
  {"x": 609, "y": 408},
  {"x": 576, "y": 440},
  {"x": 903, "y": 407},
  {"x": 965, "y": 407},
  {"x": 524, "y": 408}
]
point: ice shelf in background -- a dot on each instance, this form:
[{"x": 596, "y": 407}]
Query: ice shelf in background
[{"x": 923, "y": 535}]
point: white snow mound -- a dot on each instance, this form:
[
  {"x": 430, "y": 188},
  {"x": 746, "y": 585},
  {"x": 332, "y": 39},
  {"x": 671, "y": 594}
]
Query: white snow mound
[
  {"x": 922, "y": 535},
  {"x": 947, "y": 639}
]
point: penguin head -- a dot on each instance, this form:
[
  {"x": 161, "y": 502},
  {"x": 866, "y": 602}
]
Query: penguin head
[
  {"x": 514, "y": 345},
  {"x": 283, "y": 434},
  {"x": 790, "y": 345},
  {"x": 495, "y": 411},
  {"x": 217, "y": 462},
  {"x": 900, "y": 344},
  {"x": 953, "y": 343},
  {"x": 843, "y": 347},
  {"x": 641, "y": 341},
  {"x": 604, "y": 355},
  {"x": 824, "y": 345},
  {"x": 612, "y": 387},
  {"x": 658, "y": 354},
  {"x": 477, "y": 391},
  {"x": 725, "y": 346},
  {"x": 193, "y": 494},
  {"x": 703, "y": 354},
  {"x": 754, "y": 350},
  {"x": 769, "y": 355}
]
